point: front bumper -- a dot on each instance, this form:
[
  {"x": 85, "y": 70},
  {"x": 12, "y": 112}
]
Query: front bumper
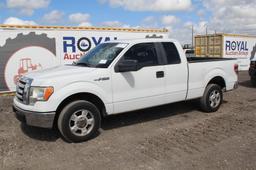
[{"x": 38, "y": 119}]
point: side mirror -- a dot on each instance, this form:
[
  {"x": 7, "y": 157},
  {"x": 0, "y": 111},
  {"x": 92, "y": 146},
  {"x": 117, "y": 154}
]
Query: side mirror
[{"x": 127, "y": 65}]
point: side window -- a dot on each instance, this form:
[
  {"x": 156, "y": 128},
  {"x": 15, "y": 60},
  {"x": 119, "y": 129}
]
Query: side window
[
  {"x": 172, "y": 53},
  {"x": 144, "y": 53}
]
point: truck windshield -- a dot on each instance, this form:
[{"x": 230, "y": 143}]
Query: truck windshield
[{"x": 102, "y": 55}]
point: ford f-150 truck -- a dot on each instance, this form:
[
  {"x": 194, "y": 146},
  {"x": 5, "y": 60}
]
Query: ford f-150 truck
[
  {"x": 252, "y": 72},
  {"x": 117, "y": 77}
]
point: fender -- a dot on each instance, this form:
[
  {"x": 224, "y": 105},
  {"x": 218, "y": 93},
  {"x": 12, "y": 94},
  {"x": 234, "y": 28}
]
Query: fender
[
  {"x": 215, "y": 72},
  {"x": 80, "y": 87}
]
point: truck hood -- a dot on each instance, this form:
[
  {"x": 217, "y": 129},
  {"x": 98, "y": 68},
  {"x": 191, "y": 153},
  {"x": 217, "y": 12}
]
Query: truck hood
[{"x": 60, "y": 71}]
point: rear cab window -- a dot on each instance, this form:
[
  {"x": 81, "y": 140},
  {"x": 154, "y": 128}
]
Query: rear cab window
[{"x": 171, "y": 52}]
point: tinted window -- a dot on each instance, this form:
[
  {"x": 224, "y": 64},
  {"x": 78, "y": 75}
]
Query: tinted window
[
  {"x": 171, "y": 52},
  {"x": 144, "y": 53}
]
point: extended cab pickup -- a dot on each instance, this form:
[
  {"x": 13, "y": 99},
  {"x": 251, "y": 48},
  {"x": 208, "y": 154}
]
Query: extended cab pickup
[{"x": 117, "y": 77}]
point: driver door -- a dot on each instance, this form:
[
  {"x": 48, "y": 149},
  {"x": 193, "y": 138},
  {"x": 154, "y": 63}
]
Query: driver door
[{"x": 133, "y": 90}]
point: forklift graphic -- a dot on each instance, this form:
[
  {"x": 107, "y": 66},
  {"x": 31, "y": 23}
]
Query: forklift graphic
[{"x": 25, "y": 67}]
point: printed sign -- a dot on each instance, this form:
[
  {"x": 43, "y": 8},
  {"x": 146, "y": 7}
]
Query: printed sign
[
  {"x": 238, "y": 48},
  {"x": 242, "y": 48},
  {"x": 76, "y": 47},
  {"x": 23, "y": 54}
]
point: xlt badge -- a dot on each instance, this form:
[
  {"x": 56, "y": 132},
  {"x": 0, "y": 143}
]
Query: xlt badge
[{"x": 102, "y": 79}]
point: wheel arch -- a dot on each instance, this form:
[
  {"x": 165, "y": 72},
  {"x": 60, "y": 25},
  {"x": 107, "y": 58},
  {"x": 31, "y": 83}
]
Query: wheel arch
[
  {"x": 219, "y": 80},
  {"x": 96, "y": 100},
  {"x": 216, "y": 76}
]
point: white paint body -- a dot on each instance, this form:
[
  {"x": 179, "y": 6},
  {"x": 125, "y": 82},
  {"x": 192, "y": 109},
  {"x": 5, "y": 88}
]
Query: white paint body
[{"x": 132, "y": 90}]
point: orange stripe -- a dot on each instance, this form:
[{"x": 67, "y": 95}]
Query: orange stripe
[
  {"x": 7, "y": 93},
  {"x": 86, "y": 28}
]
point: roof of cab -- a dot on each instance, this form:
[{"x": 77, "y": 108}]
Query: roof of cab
[{"x": 144, "y": 40}]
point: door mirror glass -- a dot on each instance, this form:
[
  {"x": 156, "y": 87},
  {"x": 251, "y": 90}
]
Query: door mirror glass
[{"x": 127, "y": 66}]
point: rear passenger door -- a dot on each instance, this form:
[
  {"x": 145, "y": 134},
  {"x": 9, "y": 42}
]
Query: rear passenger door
[
  {"x": 176, "y": 73},
  {"x": 142, "y": 88}
]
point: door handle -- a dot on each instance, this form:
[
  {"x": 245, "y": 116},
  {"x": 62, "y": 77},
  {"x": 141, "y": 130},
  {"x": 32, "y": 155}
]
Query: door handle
[{"x": 159, "y": 74}]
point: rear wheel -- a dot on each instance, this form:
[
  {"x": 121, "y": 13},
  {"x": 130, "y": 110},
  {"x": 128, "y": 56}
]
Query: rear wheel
[
  {"x": 79, "y": 121},
  {"x": 212, "y": 98}
]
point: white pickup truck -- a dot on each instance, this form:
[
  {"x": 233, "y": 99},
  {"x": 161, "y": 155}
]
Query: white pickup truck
[{"x": 117, "y": 77}]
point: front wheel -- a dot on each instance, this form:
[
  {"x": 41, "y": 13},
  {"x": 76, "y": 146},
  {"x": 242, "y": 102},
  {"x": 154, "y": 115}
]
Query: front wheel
[
  {"x": 212, "y": 98},
  {"x": 79, "y": 121}
]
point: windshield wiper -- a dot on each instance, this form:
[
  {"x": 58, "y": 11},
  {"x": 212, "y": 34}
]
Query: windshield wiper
[
  {"x": 74, "y": 63},
  {"x": 82, "y": 64}
]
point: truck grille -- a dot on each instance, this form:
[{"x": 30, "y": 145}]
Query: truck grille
[{"x": 22, "y": 89}]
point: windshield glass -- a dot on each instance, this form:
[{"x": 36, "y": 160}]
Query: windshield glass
[{"x": 102, "y": 55}]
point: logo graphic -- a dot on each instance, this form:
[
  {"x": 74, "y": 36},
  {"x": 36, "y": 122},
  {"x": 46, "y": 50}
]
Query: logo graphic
[
  {"x": 24, "y": 54},
  {"x": 239, "y": 48},
  {"x": 25, "y": 67},
  {"x": 84, "y": 44},
  {"x": 76, "y": 47}
]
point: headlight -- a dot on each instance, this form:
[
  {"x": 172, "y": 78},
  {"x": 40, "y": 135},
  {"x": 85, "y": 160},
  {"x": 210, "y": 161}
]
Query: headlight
[{"x": 40, "y": 94}]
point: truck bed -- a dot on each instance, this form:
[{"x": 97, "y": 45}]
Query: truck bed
[
  {"x": 206, "y": 59},
  {"x": 202, "y": 68}
]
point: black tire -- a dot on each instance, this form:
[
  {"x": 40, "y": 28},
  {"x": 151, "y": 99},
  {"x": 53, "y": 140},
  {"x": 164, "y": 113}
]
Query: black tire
[
  {"x": 205, "y": 101},
  {"x": 64, "y": 120},
  {"x": 253, "y": 80}
]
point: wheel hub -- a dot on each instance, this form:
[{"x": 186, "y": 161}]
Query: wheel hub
[
  {"x": 82, "y": 122},
  {"x": 215, "y": 99}
]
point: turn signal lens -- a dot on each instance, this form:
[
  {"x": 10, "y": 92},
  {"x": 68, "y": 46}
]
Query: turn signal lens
[{"x": 48, "y": 92}]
